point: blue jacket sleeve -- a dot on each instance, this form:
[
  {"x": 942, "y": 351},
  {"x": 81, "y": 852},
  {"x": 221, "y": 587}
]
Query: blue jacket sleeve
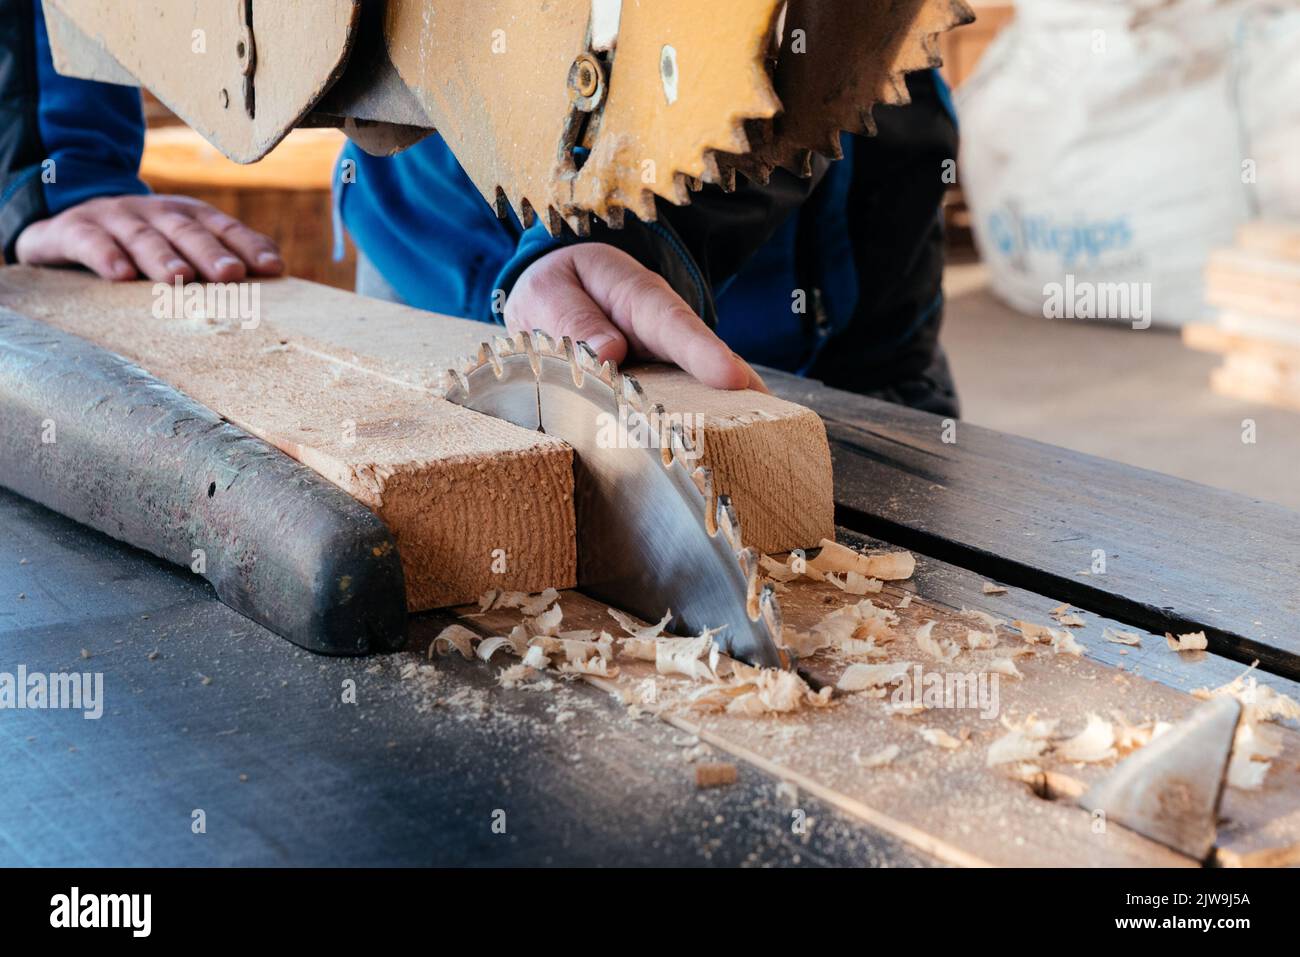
[{"x": 62, "y": 141}]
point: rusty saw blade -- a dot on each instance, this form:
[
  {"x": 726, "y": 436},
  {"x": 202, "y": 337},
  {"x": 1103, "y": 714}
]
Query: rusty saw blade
[{"x": 653, "y": 535}]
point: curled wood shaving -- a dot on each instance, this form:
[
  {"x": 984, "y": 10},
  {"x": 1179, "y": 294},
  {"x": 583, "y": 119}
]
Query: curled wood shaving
[
  {"x": 1013, "y": 747},
  {"x": 529, "y": 605},
  {"x": 1004, "y": 666},
  {"x": 776, "y": 570},
  {"x": 1063, "y": 643},
  {"x": 1071, "y": 621},
  {"x": 854, "y": 584},
  {"x": 862, "y": 621},
  {"x": 635, "y": 628},
  {"x": 1033, "y": 633},
  {"x": 1096, "y": 742},
  {"x": 548, "y": 622},
  {"x": 1192, "y": 641},
  {"x": 1130, "y": 737},
  {"x": 940, "y": 649},
  {"x": 991, "y": 589},
  {"x": 861, "y": 677},
  {"x": 803, "y": 644},
  {"x": 939, "y": 738},
  {"x": 835, "y": 558},
  {"x": 536, "y": 658},
  {"x": 882, "y": 757},
  {"x": 980, "y": 639},
  {"x": 490, "y": 646},
  {"x": 596, "y": 666},
  {"x": 1119, "y": 637},
  {"x": 683, "y": 656},
  {"x": 454, "y": 636}
]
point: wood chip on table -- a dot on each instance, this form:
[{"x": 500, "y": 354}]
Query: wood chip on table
[
  {"x": 715, "y": 775},
  {"x": 879, "y": 759},
  {"x": 1096, "y": 742},
  {"x": 860, "y": 677},
  {"x": 1192, "y": 641},
  {"x": 1120, "y": 637},
  {"x": 939, "y": 738},
  {"x": 834, "y": 558},
  {"x": 991, "y": 589}
]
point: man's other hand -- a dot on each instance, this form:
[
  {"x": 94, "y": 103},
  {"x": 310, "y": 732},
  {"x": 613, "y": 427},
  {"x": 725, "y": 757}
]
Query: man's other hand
[
  {"x": 600, "y": 295},
  {"x": 157, "y": 237}
]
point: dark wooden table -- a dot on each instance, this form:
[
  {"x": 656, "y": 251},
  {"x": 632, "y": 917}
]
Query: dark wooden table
[{"x": 208, "y": 712}]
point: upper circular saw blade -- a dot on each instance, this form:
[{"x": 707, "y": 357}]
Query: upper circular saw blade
[
  {"x": 681, "y": 78},
  {"x": 838, "y": 60},
  {"x": 652, "y": 534}
]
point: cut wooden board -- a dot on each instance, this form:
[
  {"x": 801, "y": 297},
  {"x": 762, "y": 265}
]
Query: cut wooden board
[
  {"x": 453, "y": 486},
  {"x": 1207, "y": 337},
  {"x": 770, "y": 455},
  {"x": 949, "y": 802},
  {"x": 1258, "y": 378}
]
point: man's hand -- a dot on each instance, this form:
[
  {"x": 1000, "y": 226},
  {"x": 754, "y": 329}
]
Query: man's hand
[
  {"x": 602, "y": 296},
  {"x": 159, "y": 237}
]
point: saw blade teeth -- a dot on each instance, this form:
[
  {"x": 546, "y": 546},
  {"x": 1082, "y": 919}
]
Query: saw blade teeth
[
  {"x": 630, "y": 392},
  {"x": 587, "y": 358},
  {"x": 503, "y": 346},
  {"x": 769, "y": 610},
  {"x": 703, "y": 479},
  {"x": 525, "y": 342},
  {"x": 544, "y": 344},
  {"x": 727, "y": 522}
]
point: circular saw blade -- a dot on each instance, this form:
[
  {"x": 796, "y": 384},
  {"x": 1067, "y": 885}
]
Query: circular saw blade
[
  {"x": 684, "y": 78},
  {"x": 681, "y": 80},
  {"x": 653, "y": 534},
  {"x": 838, "y": 60}
]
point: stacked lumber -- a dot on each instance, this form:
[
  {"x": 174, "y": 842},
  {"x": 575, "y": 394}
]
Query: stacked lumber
[{"x": 1256, "y": 287}]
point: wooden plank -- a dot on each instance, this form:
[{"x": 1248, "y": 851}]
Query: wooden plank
[
  {"x": 351, "y": 387},
  {"x": 1179, "y": 556},
  {"x": 765, "y": 452},
  {"x": 448, "y": 482},
  {"x": 1258, "y": 378},
  {"x": 1245, "y": 281},
  {"x": 1279, "y": 239},
  {"x": 1207, "y": 337}
]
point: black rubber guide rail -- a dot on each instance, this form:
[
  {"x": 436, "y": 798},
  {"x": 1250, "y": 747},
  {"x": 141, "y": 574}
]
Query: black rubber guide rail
[
  {"x": 93, "y": 437},
  {"x": 1179, "y": 556}
]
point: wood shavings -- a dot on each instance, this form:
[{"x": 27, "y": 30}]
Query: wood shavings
[
  {"x": 636, "y": 629},
  {"x": 1033, "y": 633},
  {"x": 1129, "y": 737},
  {"x": 531, "y": 606},
  {"x": 940, "y": 649},
  {"x": 596, "y": 666},
  {"x": 1003, "y": 666},
  {"x": 803, "y": 644},
  {"x": 906, "y": 602},
  {"x": 515, "y": 676},
  {"x": 991, "y": 622},
  {"x": 980, "y": 639},
  {"x": 1192, "y": 641},
  {"x": 1071, "y": 621},
  {"x": 777, "y": 571},
  {"x": 1096, "y": 742},
  {"x": 991, "y": 589},
  {"x": 882, "y": 757},
  {"x": 548, "y": 622},
  {"x": 1119, "y": 637},
  {"x": 835, "y": 558},
  {"x": 1013, "y": 747},
  {"x": 685, "y": 656},
  {"x": 864, "y": 620},
  {"x": 454, "y": 636},
  {"x": 490, "y": 646},
  {"x": 939, "y": 738},
  {"x": 854, "y": 584},
  {"x": 536, "y": 659},
  {"x": 715, "y": 775},
  {"x": 860, "y": 677},
  {"x": 1063, "y": 643}
]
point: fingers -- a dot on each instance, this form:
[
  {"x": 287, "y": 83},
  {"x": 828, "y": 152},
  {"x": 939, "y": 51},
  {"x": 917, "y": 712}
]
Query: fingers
[
  {"x": 259, "y": 252},
  {"x": 550, "y": 296},
  {"x": 214, "y": 261},
  {"x": 74, "y": 242},
  {"x": 658, "y": 323},
  {"x": 152, "y": 253}
]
